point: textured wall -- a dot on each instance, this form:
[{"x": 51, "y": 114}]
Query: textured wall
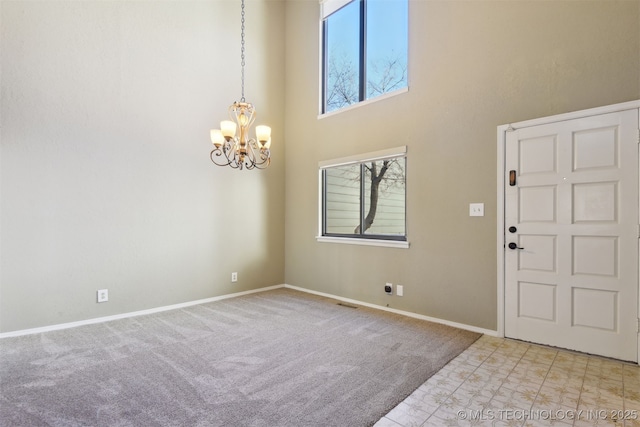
[
  {"x": 105, "y": 177},
  {"x": 473, "y": 65},
  {"x": 105, "y": 181}
]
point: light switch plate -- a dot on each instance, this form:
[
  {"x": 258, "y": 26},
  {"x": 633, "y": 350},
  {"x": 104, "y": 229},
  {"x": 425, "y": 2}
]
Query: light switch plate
[{"x": 476, "y": 209}]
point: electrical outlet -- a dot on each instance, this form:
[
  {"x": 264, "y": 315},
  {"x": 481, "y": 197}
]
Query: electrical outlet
[
  {"x": 103, "y": 295},
  {"x": 234, "y": 276},
  {"x": 388, "y": 288},
  {"x": 399, "y": 290},
  {"x": 476, "y": 209}
]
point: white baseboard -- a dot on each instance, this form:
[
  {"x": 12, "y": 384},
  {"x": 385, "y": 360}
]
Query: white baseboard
[
  {"x": 237, "y": 294},
  {"x": 131, "y": 314},
  {"x": 402, "y": 312}
]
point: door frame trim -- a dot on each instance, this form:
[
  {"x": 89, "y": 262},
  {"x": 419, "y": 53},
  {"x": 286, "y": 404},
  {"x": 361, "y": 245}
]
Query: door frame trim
[{"x": 501, "y": 175}]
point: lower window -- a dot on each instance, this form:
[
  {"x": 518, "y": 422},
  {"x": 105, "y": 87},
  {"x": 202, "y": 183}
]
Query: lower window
[{"x": 364, "y": 197}]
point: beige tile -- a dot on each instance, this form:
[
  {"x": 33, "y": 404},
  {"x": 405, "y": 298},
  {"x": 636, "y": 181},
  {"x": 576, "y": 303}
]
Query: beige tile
[
  {"x": 632, "y": 399},
  {"x": 631, "y": 372},
  {"x": 540, "y": 355},
  {"x": 516, "y": 399},
  {"x": 564, "y": 378},
  {"x": 532, "y": 370},
  {"x": 474, "y": 400},
  {"x": 597, "y": 398},
  {"x": 605, "y": 369},
  {"x": 633, "y": 420},
  {"x": 456, "y": 417},
  {"x": 596, "y": 422},
  {"x": 407, "y": 416},
  {"x": 600, "y": 415},
  {"x": 386, "y": 422},
  {"x": 427, "y": 398},
  {"x": 548, "y": 421},
  {"x": 446, "y": 380},
  {"x": 476, "y": 356},
  {"x": 489, "y": 341},
  {"x": 602, "y": 380},
  {"x": 568, "y": 359},
  {"x": 501, "y": 382},
  {"x": 554, "y": 396}
]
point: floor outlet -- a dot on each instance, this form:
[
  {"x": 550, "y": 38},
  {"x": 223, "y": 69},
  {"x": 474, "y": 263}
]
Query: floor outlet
[
  {"x": 399, "y": 290},
  {"x": 103, "y": 295},
  {"x": 234, "y": 277}
]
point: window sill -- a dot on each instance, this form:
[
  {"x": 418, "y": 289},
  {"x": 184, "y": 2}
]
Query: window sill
[
  {"x": 365, "y": 102},
  {"x": 364, "y": 242}
]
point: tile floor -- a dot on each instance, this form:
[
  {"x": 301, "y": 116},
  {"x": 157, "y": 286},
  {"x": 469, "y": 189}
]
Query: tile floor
[{"x": 501, "y": 382}]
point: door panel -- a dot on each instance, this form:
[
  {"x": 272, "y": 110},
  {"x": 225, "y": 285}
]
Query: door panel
[{"x": 571, "y": 279}]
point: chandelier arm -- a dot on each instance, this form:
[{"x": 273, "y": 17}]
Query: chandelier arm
[
  {"x": 256, "y": 158},
  {"x": 257, "y": 165},
  {"x": 263, "y": 165},
  {"x": 254, "y": 144},
  {"x": 229, "y": 152},
  {"x": 217, "y": 152},
  {"x": 260, "y": 158}
]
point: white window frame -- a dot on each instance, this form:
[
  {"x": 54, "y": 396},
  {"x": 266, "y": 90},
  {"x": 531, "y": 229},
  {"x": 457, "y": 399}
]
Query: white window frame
[
  {"x": 359, "y": 158},
  {"x": 327, "y": 7}
]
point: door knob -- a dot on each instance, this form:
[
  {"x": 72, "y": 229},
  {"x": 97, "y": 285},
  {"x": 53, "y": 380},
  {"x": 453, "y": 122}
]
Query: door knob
[
  {"x": 512, "y": 229},
  {"x": 514, "y": 246}
]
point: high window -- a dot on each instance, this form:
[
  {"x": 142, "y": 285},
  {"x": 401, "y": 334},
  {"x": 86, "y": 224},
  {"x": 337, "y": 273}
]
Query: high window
[
  {"x": 364, "y": 50},
  {"x": 363, "y": 198}
]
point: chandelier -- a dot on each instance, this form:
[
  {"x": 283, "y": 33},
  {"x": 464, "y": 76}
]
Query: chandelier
[{"x": 237, "y": 149}]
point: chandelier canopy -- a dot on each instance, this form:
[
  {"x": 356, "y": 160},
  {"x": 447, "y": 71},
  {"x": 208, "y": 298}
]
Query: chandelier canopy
[{"x": 238, "y": 149}]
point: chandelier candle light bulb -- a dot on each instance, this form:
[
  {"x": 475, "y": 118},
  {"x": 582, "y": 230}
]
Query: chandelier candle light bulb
[
  {"x": 228, "y": 129},
  {"x": 217, "y": 138},
  {"x": 263, "y": 133}
]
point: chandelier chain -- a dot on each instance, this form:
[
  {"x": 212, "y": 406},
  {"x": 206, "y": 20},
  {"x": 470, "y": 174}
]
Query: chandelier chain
[{"x": 242, "y": 50}]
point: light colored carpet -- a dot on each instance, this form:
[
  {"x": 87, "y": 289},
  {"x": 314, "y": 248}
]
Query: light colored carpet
[{"x": 275, "y": 358}]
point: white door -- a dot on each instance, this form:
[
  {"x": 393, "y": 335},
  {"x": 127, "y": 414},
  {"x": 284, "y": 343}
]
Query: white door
[{"x": 571, "y": 234}]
